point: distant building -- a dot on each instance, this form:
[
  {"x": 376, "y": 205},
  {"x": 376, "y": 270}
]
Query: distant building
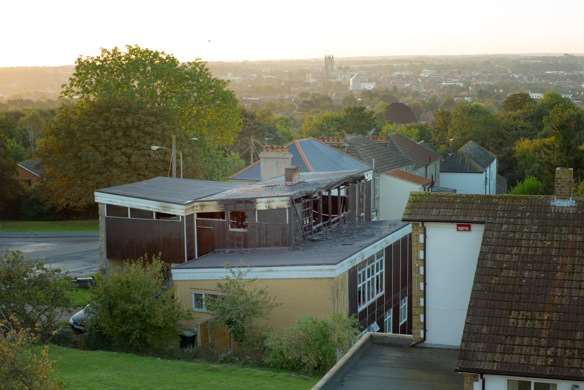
[
  {"x": 29, "y": 172},
  {"x": 360, "y": 83},
  {"x": 329, "y": 65}
]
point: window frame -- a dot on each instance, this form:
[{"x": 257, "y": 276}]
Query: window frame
[
  {"x": 371, "y": 279},
  {"x": 403, "y": 310},
  {"x": 205, "y": 295},
  {"x": 388, "y": 318},
  {"x": 532, "y": 383}
]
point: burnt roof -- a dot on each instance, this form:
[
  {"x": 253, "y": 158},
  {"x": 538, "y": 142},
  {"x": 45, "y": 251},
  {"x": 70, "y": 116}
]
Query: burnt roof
[
  {"x": 470, "y": 158},
  {"x": 308, "y": 155},
  {"x": 169, "y": 190},
  {"x": 527, "y": 303},
  {"x": 395, "y": 152},
  {"x": 328, "y": 248},
  {"x": 33, "y": 166},
  {"x": 308, "y": 182}
]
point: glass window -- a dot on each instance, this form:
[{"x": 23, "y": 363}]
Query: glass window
[
  {"x": 370, "y": 280},
  {"x": 201, "y": 301},
  {"x": 237, "y": 220},
  {"x": 388, "y": 322},
  {"x": 545, "y": 386},
  {"x": 403, "y": 310},
  {"x": 518, "y": 385}
]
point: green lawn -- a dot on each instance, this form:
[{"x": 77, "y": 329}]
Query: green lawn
[
  {"x": 80, "y": 297},
  {"x": 87, "y": 225},
  {"x": 111, "y": 370}
]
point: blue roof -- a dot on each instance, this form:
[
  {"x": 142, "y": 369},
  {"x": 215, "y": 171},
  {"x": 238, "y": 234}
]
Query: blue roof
[{"x": 309, "y": 155}]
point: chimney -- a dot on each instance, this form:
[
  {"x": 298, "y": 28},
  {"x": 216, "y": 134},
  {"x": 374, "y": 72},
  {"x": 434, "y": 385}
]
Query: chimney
[
  {"x": 291, "y": 176},
  {"x": 273, "y": 161},
  {"x": 564, "y": 183}
]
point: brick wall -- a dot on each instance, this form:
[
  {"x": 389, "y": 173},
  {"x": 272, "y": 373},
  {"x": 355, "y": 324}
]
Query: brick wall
[{"x": 418, "y": 268}]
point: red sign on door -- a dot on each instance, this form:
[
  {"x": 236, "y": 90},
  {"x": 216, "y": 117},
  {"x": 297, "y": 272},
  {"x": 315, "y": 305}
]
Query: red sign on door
[{"x": 463, "y": 227}]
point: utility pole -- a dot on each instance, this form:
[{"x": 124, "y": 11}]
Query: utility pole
[{"x": 173, "y": 156}]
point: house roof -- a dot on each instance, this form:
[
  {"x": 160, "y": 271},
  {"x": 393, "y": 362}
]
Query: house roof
[
  {"x": 308, "y": 155},
  {"x": 395, "y": 152},
  {"x": 403, "y": 175},
  {"x": 328, "y": 248},
  {"x": 307, "y": 183},
  {"x": 169, "y": 190},
  {"x": 470, "y": 158},
  {"x": 526, "y": 308},
  {"x": 33, "y": 166}
]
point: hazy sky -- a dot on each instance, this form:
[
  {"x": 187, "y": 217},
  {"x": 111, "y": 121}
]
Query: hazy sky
[{"x": 56, "y": 32}]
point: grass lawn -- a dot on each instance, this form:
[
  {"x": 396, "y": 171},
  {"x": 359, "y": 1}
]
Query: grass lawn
[
  {"x": 82, "y": 225},
  {"x": 80, "y": 297},
  {"x": 111, "y": 370}
]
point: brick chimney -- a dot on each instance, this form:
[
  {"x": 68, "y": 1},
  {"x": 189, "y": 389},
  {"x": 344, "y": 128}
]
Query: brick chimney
[
  {"x": 564, "y": 183},
  {"x": 273, "y": 161},
  {"x": 291, "y": 176}
]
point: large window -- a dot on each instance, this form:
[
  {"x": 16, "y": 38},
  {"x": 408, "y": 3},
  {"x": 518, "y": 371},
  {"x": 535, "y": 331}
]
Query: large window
[
  {"x": 370, "y": 280},
  {"x": 388, "y": 322},
  {"x": 513, "y": 384},
  {"x": 201, "y": 301},
  {"x": 403, "y": 310}
]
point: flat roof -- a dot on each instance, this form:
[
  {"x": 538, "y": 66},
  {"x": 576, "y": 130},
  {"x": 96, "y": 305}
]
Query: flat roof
[
  {"x": 387, "y": 366},
  {"x": 327, "y": 248},
  {"x": 169, "y": 189}
]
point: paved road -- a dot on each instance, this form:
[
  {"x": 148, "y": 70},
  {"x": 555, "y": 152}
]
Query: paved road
[{"x": 76, "y": 253}]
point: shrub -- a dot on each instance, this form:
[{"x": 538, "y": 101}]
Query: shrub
[
  {"x": 132, "y": 309},
  {"x": 580, "y": 189},
  {"x": 240, "y": 306},
  {"x": 311, "y": 345},
  {"x": 23, "y": 366},
  {"x": 32, "y": 296},
  {"x": 529, "y": 186}
]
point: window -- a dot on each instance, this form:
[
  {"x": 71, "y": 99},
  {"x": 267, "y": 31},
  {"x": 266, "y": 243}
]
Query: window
[
  {"x": 388, "y": 322},
  {"x": 167, "y": 217},
  {"x": 237, "y": 220},
  {"x": 403, "y": 310},
  {"x": 212, "y": 215},
  {"x": 370, "y": 280},
  {"x": 116, "y": 211},
  {"x": 201, "y": 300},
  {"x": 142, "y": 214},
  {"x": 513, "y": 384}
]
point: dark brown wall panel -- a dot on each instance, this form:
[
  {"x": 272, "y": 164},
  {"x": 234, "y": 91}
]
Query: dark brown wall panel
[
  {"x": 352, "y": 291},
  {"x": 134, "y": 238},
  {"x": 190, "y": 232}
]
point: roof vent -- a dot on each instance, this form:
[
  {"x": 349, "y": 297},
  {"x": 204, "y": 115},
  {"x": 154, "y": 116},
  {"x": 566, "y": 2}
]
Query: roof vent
[
  {"x": 291, "y": 176},
  {"x": 564, "y": 187}
]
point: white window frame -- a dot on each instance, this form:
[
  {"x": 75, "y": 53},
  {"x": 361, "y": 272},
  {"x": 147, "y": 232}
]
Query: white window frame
[
  {"x": 388, "y": 319},
  {"x": 205, "y": 294},
  {"x": 532, "y": 383},
  {"x": 403, "y": 310},
  {"x": 371, "y": 280}
]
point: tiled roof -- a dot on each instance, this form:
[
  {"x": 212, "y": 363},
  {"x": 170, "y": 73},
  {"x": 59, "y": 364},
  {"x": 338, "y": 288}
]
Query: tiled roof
[
  {"x": 526, "y": 311},
  {"x": 396, "y": 152},
  {"x": 401, "y": 174},
  {"x": 33, "y": 166},
  {"x": 308, "y": 155},
  {"x": 470, "y": 158}
]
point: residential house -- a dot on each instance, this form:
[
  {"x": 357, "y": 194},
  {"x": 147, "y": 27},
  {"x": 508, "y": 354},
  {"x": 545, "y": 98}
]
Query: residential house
[
  {"x": 307, "y": 237},
  {"x": 502, "y": 278},
  {"x": 471, "y": 170},
  {"x": 29, "y": 172}
]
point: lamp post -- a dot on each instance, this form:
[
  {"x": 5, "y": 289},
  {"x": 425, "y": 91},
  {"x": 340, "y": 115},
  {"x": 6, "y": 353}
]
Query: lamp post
[{"x": 173, "y": 153}]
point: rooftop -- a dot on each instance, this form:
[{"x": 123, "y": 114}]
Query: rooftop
[
  {"x": 403, "y": 175},
  {"x": 470, "y": 158},
  {"x": 308, "y": 182},
  {"x": 309, "y": 155},
  {"x": 330, "y": 248},
  {"x": 33, "y": 166},
  {"x": 527, "y": 302},
  {"x": 169, "y": 190}
]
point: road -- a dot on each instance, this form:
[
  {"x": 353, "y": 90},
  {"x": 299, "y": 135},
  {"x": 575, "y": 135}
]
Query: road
[{"x": 76, "y": 253}]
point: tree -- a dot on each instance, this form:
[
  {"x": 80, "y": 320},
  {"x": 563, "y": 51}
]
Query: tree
[
  {"x": 21, "y": 365},
  {"x": 518, "y": 102},
  {"x": 358, "y": 120},
  {"x": 133, "y": 310},
  {"x": 240, "y": 305},
  {"x": 539, "y": 158},
  {"x": 440, "y": 129},
  {"x": 417, "y": 132},
  {"x": 32, "y": 296},
  {"x": 473, "y": 121},
  {"x": 352, "y": 120},
  {"x": 10, "y": 187},
  {"x": 121, "y": 103},
  {"x": 529, "y": 186}
]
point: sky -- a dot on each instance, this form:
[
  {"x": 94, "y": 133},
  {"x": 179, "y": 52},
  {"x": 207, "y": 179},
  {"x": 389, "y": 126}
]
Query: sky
[{"x": 56, "y": 32}]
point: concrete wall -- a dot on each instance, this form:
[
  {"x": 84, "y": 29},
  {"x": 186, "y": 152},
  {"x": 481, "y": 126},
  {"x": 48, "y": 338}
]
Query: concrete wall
[
  {"x": 394, "y": 194},
  {"x": 464, "y": 183},
  {"x": 297, "y": 298},
  {"x": 496, "y": 382},
  {"x": 451, "y": 259},
  {"x": 432, "y": 171}
]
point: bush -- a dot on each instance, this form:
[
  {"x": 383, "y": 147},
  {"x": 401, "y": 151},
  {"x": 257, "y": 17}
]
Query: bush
[
  {"x": 133, "y": 311},
  {"x": 580, "y": 190},
  {"x": 23, "y": 366},
  {"x": 311, "y": 345},
  {"x": 529, "y": 186},
  {"x": 32, "y": 296}
]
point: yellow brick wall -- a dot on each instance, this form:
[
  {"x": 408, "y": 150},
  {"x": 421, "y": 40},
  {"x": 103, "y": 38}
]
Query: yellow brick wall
[{"x": 418, "y": 269}]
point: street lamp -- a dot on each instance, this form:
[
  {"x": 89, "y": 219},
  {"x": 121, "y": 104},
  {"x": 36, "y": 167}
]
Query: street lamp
[{"x": 173, "y": 153}]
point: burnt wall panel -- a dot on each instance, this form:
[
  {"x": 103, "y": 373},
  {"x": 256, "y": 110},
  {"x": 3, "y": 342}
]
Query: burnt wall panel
[
  {"x": 352, "y": 291},
  {"x": 190, "y": 232},
  {"x": 368, "y": 200},
  {"x": 206, "y": 235},
  {"x": 134, "y": 238}
]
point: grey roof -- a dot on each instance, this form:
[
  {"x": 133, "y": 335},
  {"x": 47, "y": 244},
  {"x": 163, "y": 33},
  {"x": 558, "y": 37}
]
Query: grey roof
[
  {"x": 470, "y": 158},
  {"x": 32, "y": 165},
  {"x": 396, "y": 152},
  {"x": 328, "y": 249},
  {"x": 170, "y": 190},
  {"x": 390, "y": 366},
  {"x": 309, "y": 155},
  {"x": 308, "y": 182}
]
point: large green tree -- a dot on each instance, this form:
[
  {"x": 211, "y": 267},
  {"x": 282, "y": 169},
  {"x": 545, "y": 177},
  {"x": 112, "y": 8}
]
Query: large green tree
[
  {"x": 10, "y": 188},
  {"x": 122, "y": 102}
]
